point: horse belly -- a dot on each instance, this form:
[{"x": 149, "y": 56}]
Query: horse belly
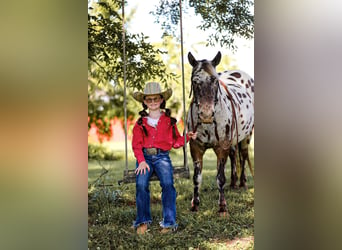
[{"x": 245, "y": 124}]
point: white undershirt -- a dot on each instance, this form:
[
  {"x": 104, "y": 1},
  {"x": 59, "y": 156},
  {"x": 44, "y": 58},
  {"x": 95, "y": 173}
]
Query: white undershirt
[{"x": 152, "y": 122}]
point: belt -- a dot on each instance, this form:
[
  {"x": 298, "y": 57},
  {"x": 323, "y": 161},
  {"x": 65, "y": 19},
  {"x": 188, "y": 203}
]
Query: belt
[{"x": 153, "y": 151}]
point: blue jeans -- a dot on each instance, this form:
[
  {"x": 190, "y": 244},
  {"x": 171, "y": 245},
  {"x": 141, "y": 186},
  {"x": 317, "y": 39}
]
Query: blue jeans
[{"x": 161, "y": 164}]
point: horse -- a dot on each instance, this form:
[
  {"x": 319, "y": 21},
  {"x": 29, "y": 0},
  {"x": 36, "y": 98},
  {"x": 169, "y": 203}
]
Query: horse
[{"x": 222, "y": 113}]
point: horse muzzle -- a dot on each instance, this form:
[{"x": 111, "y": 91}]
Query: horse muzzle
[{"x": 206, "y": 113}]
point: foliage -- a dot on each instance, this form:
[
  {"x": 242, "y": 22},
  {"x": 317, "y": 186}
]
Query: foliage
[
  {"x": 106, "y": 64},
  {"x": 226, "y": 20},
  {"x": 100, "y": 152},
  {"x": 144, "y": 62},
  {"x": 105, "y": 50}
]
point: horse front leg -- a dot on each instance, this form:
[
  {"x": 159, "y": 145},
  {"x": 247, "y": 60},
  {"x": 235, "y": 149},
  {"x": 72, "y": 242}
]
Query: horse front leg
[
  {"x": 221, "y": 179},
  {"x": 197, "y": 157},
  {"x": 197, "y": 180}
]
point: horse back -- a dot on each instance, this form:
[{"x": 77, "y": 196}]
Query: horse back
[{"x": 241, "y": 87}]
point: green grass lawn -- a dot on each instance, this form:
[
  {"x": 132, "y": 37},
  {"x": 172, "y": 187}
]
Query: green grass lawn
[{"x": 112, "y": 209}]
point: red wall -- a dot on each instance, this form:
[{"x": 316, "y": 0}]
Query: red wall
[
  {"x": 117, "y": 129},
  {"x": 118, "y": 134}
]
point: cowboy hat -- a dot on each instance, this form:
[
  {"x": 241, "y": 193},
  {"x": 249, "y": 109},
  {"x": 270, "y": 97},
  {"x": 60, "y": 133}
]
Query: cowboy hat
[{"x": 152, "y": 88}]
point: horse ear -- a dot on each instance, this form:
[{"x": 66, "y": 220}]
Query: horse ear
[
  {"x": 217, "y": 59},
  {"x": 192, "y": 60}
]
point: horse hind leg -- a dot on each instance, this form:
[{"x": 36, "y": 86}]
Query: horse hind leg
[
  {"x": 233, "y": 173},
  {"x": 243, "y": 150}
]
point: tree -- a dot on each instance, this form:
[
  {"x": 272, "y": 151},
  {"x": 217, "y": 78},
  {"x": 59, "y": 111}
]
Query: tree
[
  {"x": 105, "y": 63},
  {"x": 225, "y": 19},
  {"x": 144, "y": 62}
]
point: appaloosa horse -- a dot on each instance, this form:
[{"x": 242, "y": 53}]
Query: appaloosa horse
[{"x": 222, "y": 112}]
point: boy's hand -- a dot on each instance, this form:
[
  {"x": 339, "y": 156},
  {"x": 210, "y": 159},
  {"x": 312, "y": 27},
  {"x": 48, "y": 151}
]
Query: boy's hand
[
  {"x": 142, "y": 168},
  {"x": 192, "y": 135}
]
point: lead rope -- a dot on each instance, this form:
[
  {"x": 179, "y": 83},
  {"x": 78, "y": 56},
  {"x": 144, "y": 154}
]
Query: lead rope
[{"x": 192, "y": 118}]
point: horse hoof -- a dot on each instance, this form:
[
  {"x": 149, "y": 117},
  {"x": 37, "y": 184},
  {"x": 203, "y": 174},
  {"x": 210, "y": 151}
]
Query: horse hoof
[
  {"x": 243, "y": 186},
  {"x": 194, "y": 209}
]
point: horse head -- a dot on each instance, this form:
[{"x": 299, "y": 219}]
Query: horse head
[{"x": 205, "y": 84}]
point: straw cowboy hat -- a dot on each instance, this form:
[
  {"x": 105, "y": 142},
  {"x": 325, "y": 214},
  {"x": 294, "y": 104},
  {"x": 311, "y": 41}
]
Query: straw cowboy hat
[{"x": 152, "y": 88}]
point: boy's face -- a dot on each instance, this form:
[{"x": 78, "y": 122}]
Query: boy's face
[{"x": 153, "y": 101}]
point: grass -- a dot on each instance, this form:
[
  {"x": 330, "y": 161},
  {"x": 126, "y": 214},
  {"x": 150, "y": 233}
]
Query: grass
[{"x": 112, "y": 209}]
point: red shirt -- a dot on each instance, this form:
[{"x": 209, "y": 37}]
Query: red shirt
[{"x": 158, "y": 137}]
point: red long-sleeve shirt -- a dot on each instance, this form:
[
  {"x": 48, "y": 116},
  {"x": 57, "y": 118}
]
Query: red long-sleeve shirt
[{"x": 158, "y": 137}]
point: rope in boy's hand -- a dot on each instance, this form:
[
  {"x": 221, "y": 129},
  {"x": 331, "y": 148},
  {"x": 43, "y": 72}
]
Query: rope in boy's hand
[
  {"x": 142, "y": 168},
  {"x": 192, "y": 135}
]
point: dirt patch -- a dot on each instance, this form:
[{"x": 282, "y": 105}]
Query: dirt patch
[{"x": 241, "y": 243}]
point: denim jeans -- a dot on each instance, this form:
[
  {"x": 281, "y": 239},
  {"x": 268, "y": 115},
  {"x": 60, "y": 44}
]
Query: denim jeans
[{"x": 161, "y": 164}]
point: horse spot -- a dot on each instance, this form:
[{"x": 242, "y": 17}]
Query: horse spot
[
  {"x": 242, "y": 122},
  {"x": 247, "y": 106},
  {"x": 243, "y": 128},
  {"x": 252, "y": 88},
  {"x": 229, "y": 78},
  {"x": 239, "y": 95},
  {"x": 244, "y": 96},
  {"x": 227, "y": 129},
  {"x": 241, "y": 115},
  {"x": 236, "y": 74},
  {"x": 242, "y": 81}
]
